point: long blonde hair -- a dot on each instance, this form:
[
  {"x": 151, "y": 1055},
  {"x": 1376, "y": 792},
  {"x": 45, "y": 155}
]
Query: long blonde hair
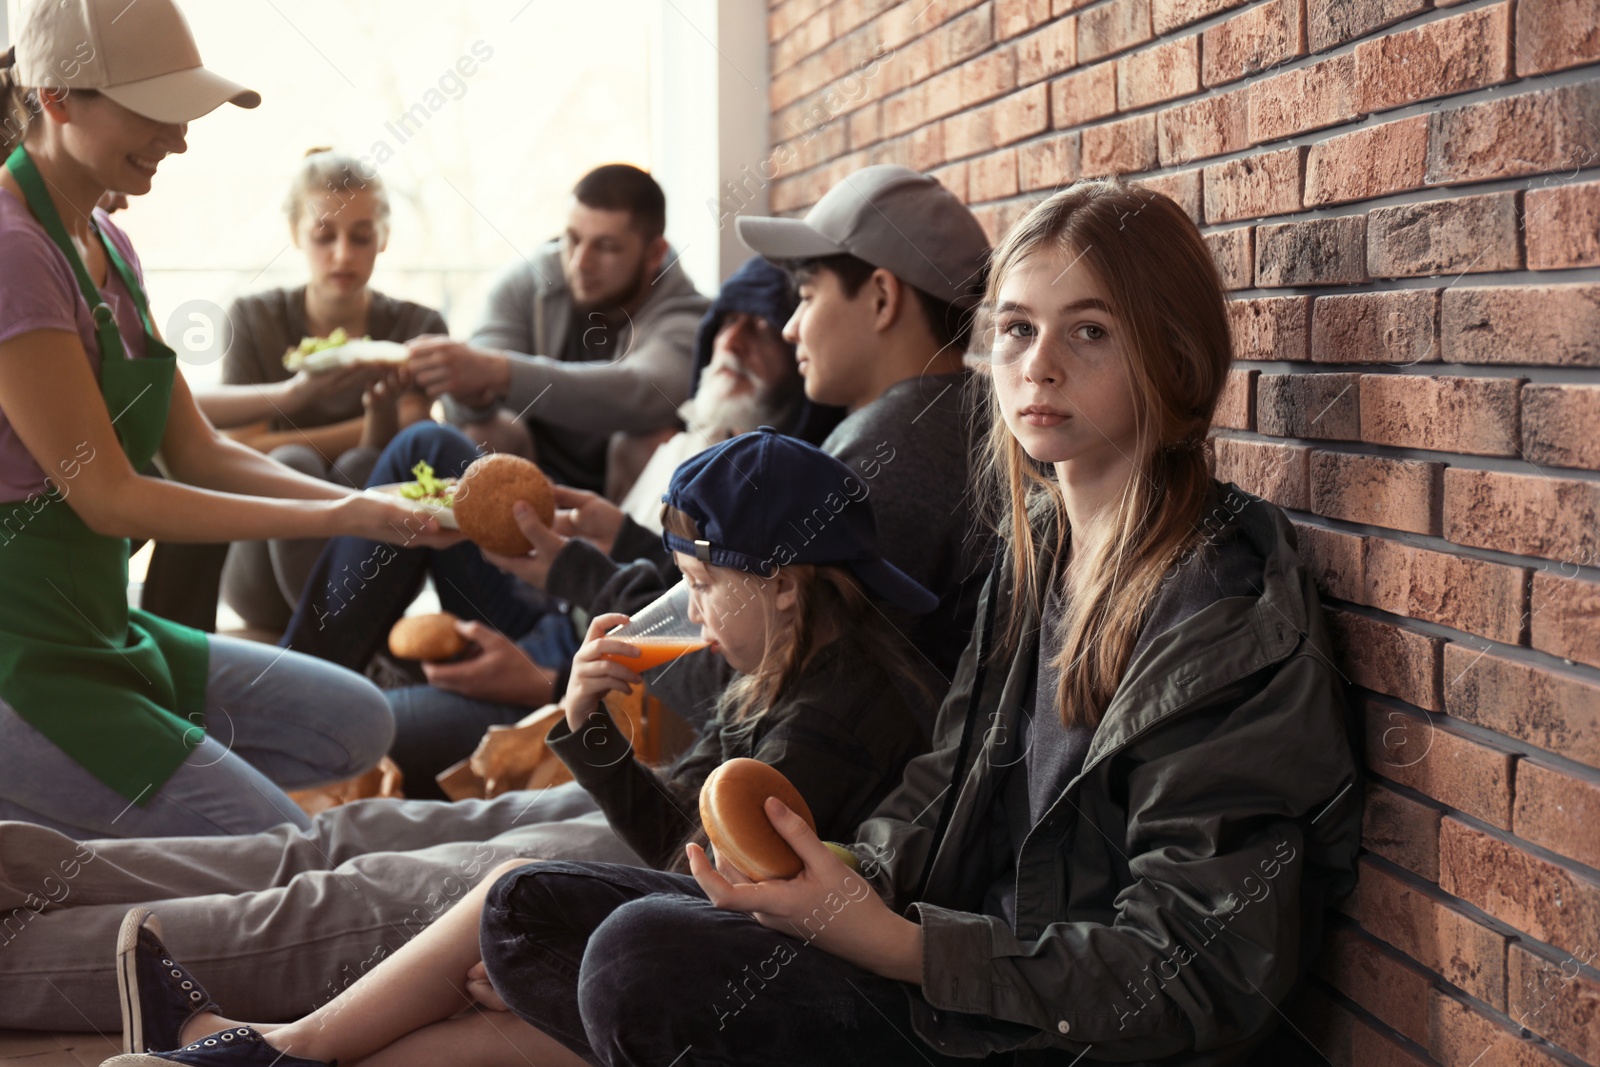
[{"x": 1165, "y": 293}]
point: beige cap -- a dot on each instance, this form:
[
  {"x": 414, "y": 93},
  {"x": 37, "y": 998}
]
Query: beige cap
[
  {"x": 892, "y": 217},
  {"x": 139, "y": 53}
]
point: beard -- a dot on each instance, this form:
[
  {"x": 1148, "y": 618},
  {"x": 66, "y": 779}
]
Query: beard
[
  {"x": 623, "y": 297},
  {"x": 718, "y": 415}
]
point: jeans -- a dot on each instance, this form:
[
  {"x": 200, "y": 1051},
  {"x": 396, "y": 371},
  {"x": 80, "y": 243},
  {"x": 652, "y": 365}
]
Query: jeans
[
  {"x": 274, "y": 721},
  {"x": 633, "y": 966},
  {"x": 359, "y": 589}
]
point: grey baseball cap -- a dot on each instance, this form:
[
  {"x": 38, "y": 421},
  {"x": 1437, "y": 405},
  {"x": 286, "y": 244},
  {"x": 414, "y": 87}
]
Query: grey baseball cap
[{"x": 892, "y": 217}]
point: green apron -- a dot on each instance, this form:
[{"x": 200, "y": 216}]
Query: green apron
[{"x": 120, "y": 691}]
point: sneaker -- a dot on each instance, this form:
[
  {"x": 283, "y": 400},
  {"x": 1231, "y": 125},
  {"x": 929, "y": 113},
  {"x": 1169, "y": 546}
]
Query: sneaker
[
  {"x": 158, "y": 994},
  {"x": 238, "y": 1047}
]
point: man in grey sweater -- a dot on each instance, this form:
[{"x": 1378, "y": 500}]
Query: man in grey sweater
[{"x": 592, "y": 335}]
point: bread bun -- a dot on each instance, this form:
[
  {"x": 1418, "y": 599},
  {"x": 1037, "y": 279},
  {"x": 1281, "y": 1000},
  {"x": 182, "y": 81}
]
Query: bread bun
[
  {"x": 430, "y": 638},
  {"x": 484, "y": 497},
  {"x": 732, "y": 810}
]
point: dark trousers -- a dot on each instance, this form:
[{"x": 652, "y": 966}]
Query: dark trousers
[
  {"x": 359, "y": 588},
  {"x": 631, "y": 966}
]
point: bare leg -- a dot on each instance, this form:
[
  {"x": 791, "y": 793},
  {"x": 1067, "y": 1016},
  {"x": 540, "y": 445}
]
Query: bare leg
[
  {"x": 482, "y": 1038},
  {"x": 420, "y": 986}
]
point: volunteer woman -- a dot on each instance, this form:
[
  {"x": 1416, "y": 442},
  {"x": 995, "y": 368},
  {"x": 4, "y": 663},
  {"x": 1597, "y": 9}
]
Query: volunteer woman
[{"x": 114, "y": 722}]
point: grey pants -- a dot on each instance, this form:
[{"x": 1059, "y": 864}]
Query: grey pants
[{"x": 273, "y": 924}]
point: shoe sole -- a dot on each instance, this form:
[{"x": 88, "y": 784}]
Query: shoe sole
[
  {"x": 137, "y": 1059},
  {"x": 128, "y": 987}
]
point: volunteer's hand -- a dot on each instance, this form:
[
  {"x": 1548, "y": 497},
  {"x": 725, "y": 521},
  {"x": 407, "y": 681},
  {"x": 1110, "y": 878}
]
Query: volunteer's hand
[
  {"x": 475, "y": 377},
  {"x": 381, "y": 416},
  {"x": 580, "y": 513},
  {"x": 500, "y": 672},
  {"x": 856, "y": 926},
  {"x": 388, "y": 519},
  {"x": 533, "y": 568},
  {"x": 593, "y": 676},
  {"x": 306, "y": 388}
]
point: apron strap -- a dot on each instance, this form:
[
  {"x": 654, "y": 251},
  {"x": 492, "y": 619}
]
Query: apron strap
[{"x": 22, "y": 168}]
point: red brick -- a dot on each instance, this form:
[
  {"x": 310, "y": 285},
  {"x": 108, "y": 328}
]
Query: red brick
[
  {"x": 1333, "y": 22},
  {"x": 1469, "y": 235},
  {"x": 1084, "y": 96},
  {"x": 1566, "y": 616},
  {"x": 1548, "y": 324},
  {"x": 1335, "y": 560},
  {"x": 866, "y": 126},
  {"x": 1460, "y": 1037},
  {"x": 1556, "y": 712},
  {"x": 1376, "y": 161},
  {"x": 1314, "y": 252},
  {"x": 1209, "y": 126},
  {"x": 1161, "y": 72},
  {"x": 1400, "y": 494},
  {"x": 1556, "y": 34},
  {"x": 1558, "y": 811},
  {"x": 1401, "y": 830},
  {"x": 1430, "y": 931},
  {"x": 1050, "y": 51},
  {"x": 1048, "y": 164},
  {"x": 1262, "y": 37},
  {"x": 1270, "y": 471},
  {"x": 1113, "y": 27},
  {"x": 1453, "y": 55},
  {"x": 988, "y": 216},
  {"x": 1181, "y": 187},
  {"x": 993, "y": 177},
  {"x": 1269, "y": 328},
  {"x": 1012, "y": 17},
  {"x": 1022, "y": 114},
  {"x": 1544, "y": 900},
  {"x": 1234, "y": 253},
  {"x": 1381, "y": 656},
  {"x": 1370, "y": 1047},
  {"x": 1530, "y": 133},
  {"x": 953, "y": 178},
  {"x": 1309, "y": 405},
  {"x": 1398, "y": 327},
  {"x": 1267, "y": 183},
  {"x": 1529, "y": 514},
  {"x": 1377, "y": 980},
  {"x": 1124, "y": 147},
  {"x": 1474, "y": 595},
  {"x": 1557, "y": 998},
  {"x": 1169, "y": 15},
  {"x": 987, "y": 77},
  {"x": 1013, "y": 211},
  {"x": 1563, "y": 225},
  {"x": 1323, "y": 94},
  {"x": 1476, "y": 415},
  {"x": 1236, "y": 407},
  {"x": 1431, "y": 757}
]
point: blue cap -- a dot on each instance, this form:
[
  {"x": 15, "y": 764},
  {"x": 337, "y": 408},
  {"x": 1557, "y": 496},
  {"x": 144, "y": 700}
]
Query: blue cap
[{"x": 764, "y": 500}]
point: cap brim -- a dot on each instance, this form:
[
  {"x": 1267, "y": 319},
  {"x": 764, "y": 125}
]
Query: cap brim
[
  {"x": 182, "y": 96},
  {"x": 784, "y": 238},
  {"x": 895, "y": 585}
]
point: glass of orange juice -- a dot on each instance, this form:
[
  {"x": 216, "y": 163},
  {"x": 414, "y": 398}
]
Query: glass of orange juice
[{"x": 661, "y": 629}]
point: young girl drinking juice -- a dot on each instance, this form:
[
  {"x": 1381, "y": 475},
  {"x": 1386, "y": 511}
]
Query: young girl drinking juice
[{"x": 817, "y": 695}]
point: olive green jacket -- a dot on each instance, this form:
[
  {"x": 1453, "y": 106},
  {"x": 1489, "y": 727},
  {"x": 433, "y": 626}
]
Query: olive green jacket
[{"x": 1172, "y": 894}]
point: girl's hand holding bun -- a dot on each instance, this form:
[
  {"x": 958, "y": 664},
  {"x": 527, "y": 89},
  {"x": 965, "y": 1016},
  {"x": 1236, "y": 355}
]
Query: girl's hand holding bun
[{"x": 858, "y": 926}]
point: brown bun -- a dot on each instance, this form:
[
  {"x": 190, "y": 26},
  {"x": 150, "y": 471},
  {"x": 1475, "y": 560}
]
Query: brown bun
[
  {"x": 430, "y": 638},
  {"x": 732, "y": 810},
  {"x": 484, "y": 497}
]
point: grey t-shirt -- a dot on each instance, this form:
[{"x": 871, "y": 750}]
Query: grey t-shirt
[{"x": 261, "y": 327}]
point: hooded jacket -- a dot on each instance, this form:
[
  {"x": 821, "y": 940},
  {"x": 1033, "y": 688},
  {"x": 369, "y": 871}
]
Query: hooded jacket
[{"x": 1172, "y": 893}]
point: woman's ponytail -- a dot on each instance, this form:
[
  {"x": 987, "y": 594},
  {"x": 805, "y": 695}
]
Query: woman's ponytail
[{"x": 14, "y": 110}]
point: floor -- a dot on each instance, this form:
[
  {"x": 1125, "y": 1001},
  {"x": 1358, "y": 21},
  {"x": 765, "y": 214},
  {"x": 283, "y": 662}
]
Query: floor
[{"x": 20, "y": 1048}]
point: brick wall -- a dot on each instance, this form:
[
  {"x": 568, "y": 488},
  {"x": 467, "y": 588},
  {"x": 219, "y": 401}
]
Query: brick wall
[{"x": 1403, "y": 197}]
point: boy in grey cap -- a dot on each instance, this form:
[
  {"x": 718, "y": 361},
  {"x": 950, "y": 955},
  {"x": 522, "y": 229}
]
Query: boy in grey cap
[{"x": 890, "y": 266}]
